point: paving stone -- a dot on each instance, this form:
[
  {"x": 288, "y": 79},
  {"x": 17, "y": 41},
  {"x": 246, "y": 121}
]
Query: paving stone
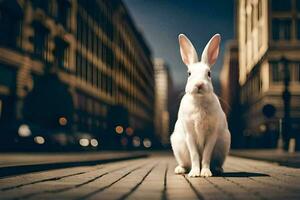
[{"x": 154, "y": 178}]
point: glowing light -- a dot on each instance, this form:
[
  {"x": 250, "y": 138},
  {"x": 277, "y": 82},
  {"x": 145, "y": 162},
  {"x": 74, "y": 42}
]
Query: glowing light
[
  {"x": 39, "y": 140},
  {"x": 119, "y": 129},
  {"x": 24, "y": 131},
  {"x": 94, "y": 142},
  {"x": 129, "y": 131},
  {"x": 63, "y": 121},
  {"x": 262, "y": 128},
  {"x": 147, "y": 143},
  {"x": 124, "y": 141},
  {"x": 136, "y": 141},
  {"x": 84, "y": 142}
]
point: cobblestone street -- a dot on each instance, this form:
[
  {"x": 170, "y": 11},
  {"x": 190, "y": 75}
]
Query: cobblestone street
[{"x": 153, "y": 178}]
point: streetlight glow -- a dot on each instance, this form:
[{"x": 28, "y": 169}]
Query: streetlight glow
[
  {"x": 63, "y": 121},
  {"x": 119, "y": 129}
]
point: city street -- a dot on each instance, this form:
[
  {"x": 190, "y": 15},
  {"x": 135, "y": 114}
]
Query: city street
[{"x": 153, "y": 178}]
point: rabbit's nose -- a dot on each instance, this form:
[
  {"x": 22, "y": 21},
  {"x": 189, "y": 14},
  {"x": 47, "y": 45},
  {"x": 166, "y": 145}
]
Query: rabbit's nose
[{"x": 199, "y": 86}]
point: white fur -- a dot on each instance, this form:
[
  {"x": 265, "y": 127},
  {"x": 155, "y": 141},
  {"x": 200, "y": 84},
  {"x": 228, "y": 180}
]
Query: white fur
[{"x": 201, "y": 139}]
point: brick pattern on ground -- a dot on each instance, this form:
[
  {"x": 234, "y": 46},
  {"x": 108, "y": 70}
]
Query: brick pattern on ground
[{"x": 153, "y": 178}]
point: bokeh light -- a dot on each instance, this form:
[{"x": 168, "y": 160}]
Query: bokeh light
[
  {"x": 84, "y": 142},
  {"x": 94, "y": 142},
  {"x": 124, "y": 141},
  {"x": 119, "y": 129},
  {"x": 136, "y": 141},
  {"x": 39, "y": 139},
  {"x": 24, "y": 131},
  {"x": 147, "y": 143},
  {"x": 129, "y": 131},
  {"x": 63, "y": 121}
]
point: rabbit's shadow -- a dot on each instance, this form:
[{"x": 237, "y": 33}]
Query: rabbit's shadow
[{"x": 241, "y": 174}]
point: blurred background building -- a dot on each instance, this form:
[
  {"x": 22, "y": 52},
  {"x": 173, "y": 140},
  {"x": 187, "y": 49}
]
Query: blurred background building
[
  {"x": 269, "y": 30},
  {"x": 230, "y": 92},
  {"x": 74, "y": 72},
  {"x": 163, "y": 92}
]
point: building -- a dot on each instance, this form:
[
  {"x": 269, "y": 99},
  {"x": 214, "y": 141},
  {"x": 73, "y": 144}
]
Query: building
[
  {"x": 230, "y": 92},
  {"x": 82, "y": 62},
  {"x": 163, "y": 90},
  {"x": 268, "y": 30}
]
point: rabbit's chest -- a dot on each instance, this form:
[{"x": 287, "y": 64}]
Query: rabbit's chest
[{"x": 202, "y": 121}]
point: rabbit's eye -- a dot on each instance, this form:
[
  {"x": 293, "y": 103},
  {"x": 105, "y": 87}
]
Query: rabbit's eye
[
  {"x": 189, "y": 73},
  {"x": 208, "y": 74}
]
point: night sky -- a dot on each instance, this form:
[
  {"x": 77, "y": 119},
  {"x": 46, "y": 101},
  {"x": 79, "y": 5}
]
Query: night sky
[{"x": 160, "y": 21}]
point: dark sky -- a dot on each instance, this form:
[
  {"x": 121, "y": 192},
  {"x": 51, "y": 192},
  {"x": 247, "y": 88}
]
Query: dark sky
[{"x": 161, "y": 21}]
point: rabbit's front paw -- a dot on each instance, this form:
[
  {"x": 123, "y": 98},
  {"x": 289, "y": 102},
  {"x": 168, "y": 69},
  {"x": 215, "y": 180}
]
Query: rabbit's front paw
[
  {"x": 179, "y": 170},
  {"x": 195, "y": 172},
  {"x": 205, "y": 172}
]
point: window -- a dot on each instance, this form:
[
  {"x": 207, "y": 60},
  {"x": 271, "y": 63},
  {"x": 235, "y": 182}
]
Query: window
[
  {"x": 11, "y": 22},
  {"x": 297, "y": 71},
  {"x": 260, "y": 38},
  {"x": 89, "y": 76},
  {"x": 281, "y": 5},
  {"x": 298, "y": 5},
  {"x": 94, "y": 76},
  {"x": 40, "y": 41},
  {"x": 62, "y": 53},
  {"x": 63, "y": 13},
  {"x": 78, "y": 64},
  {"x": 259, "y": 9},
  {"x": 246, "y": 28},
  {"x": 42, "y": 4},
  {"x": 298, "y": 29},
  {"x": 252, "y": 17},
  {"x": 79, "y": 32},
  {"x": 281, "y": 29},
  {"x": 7, "y": 76},
  {"x": 276, "y": 71},
  {"x": 84, "y": 69}
]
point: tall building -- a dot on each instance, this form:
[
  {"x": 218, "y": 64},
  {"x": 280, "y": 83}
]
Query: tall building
[
  {"x": 268, "y": 30},
  {"x": 230, "y": 88},
  {"x": 78, "y": 66},
  {"x": 163, "y": 89}
]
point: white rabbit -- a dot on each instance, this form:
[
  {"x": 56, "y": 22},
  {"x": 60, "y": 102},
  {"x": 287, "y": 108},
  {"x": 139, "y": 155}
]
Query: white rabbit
[{"x": 201, "y": 136}]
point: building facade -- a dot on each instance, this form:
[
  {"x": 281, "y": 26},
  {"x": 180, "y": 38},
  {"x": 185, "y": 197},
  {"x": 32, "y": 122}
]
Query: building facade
[
  {"x": 163, "y": 90},
  {"x": 230, "y": 92},
  {"x": 268, "y": 30},
  {"x": 84, "y": 62}
]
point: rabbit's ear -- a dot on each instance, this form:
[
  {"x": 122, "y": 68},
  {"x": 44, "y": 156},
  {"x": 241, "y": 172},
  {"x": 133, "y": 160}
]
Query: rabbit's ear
[
  {"x": 187, "y": 50},
  {"x": 211, "y": 51}
]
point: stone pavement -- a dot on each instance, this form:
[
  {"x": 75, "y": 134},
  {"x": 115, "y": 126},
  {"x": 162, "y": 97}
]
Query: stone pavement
[
  {"x": 153, "y": 178},
  {"x": 272, "y": 155}
]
